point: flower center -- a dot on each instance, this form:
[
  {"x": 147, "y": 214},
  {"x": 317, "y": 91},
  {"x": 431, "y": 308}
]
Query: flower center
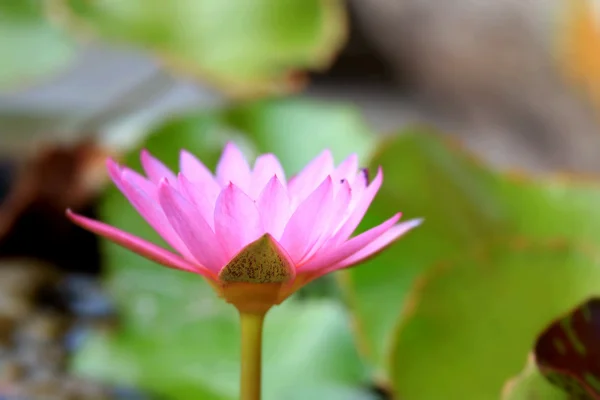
[{"x": 252, "y": 280}]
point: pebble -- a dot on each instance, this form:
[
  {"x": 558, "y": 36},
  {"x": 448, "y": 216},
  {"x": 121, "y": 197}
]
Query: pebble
[
  {"x": 88, "y": 298},
  {"x": 124, "y": 393},
  {"x": 14, "y": 307},
  {"x": 38, "y": 357},
  {"x": 36, "y": 338},
  {"x": 83, "y": 389},
  {"x": 41, "y": 389},
  {"x": 23, "y": 278},
  {"x": 43, "y": 327},
  {"x": 8, "y": 170},
  {"x": 11, "y": 371},
  {"x": 7, "y": 326}
]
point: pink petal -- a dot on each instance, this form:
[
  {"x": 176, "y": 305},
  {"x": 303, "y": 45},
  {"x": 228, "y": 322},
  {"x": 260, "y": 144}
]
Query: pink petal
[
  {"x": 193, "y": 168},
  {"x": 360, "y": 208},
  {"x": 138, "y": 246},
  {"x": 237, "y": 221},
  {"x": 346, "y": 170},
  {"x": 203, "y": 199},
  {"x": 233, "y": 167},
  {"x": 155, "y": 169},
  {"x": 141, "y": 182},
  {"x": 338, "y": 210},
  {"x": 274, "y": 208},
  {"x": 342, "y": 201},
  {"x": 362, "y": 177},
  {"x": 308, "y": 222},
  {"x": 197, "y": 173},
  {"x": 334, "y": 256},
  {"x": 378, "y": 244},
  {"x": 192, "y": 228},
  {"x": 114, "y": 171},
  {"x": 359, "y": 184},
  {"x": 265, "y": 167},
  {"x": 303, "y": 184},
  {"x": 146, "y": 204}
]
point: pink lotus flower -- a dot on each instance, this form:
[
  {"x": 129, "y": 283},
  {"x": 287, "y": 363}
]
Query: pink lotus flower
[{"x": 252, "y": 226}]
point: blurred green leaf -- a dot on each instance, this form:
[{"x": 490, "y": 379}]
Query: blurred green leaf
[
  {"x": 466, "y": 206},
  {"x": 297, "y": 130},
  {"x": 470, "y": 324},
  {"x": 194, "y": 353},
  {"x": 421, "y": 179},
  {"x": 241, "y": 47},
  {"x": 177, "y": 337},
  {"x": 30, "y": 48},
  {"x": 531, "y": 385},
  {"x": 294, "y": 129},
  {"x": 330, "y": 393},
  {"x": 568, "y": 351}
]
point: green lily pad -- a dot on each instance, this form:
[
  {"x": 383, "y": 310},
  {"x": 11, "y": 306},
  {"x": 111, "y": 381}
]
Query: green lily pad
[
  {"x": 531, "y": 385},
  {"x": 241, "y": 47},
  {"x": 422, "y": 178},
  {"x": 30, "y": 47},
  {"x": 466, "y": 205},
  {"x": 177, "y": 338},
  {"x": 568, "y": 351},
  {"x": 469, "y": 325}
]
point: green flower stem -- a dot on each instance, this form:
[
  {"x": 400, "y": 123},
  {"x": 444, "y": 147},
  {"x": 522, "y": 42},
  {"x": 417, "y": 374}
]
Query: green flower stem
[{"x": 252, "y": 326}]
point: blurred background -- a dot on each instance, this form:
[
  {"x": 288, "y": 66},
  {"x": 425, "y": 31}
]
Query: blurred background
[{"x": 514, "y": 82}]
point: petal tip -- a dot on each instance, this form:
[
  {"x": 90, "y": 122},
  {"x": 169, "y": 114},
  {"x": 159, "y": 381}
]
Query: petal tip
[
  {"x": 114, "y": 168},
  {"x": 376, "y": 181},
  {"x": 273, "y": 180},
  {"x": 74, "y": 217},
  {"x": 185, "y": 153},
  {"x": 111, "y": 163},
  {"x": 182, "y": 178},
  {"x": 364, "y": 172},
  {"x": 352, "y": 158},
  {"x": 147, "y": 158},
  {"x": 328, "y": 156},
  {"x": 186, "y": 156},
  {"x": 415, "y": 222},
  {"x": 163, "y": 184},
  {"x": 144, "y": 154},
  {"x": 230, "y": 146},
  {"x": 396, "y": 217}
]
